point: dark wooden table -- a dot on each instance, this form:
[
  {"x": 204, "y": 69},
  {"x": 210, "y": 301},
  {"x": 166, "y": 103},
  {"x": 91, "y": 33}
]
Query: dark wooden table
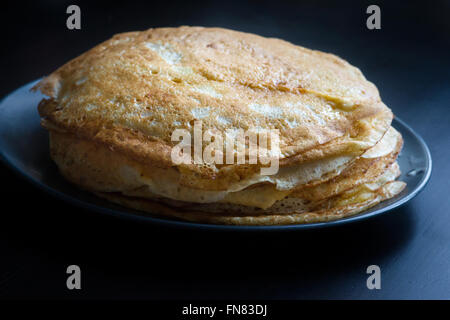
[{"x": 409, "y": 61}]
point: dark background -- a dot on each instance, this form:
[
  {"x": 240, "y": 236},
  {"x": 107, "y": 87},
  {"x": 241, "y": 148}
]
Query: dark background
[{"x": 408, "y": 59}]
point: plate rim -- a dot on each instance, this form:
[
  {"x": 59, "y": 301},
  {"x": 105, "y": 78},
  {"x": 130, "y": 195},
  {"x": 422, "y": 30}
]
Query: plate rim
[{"x": 212, "y": 227}]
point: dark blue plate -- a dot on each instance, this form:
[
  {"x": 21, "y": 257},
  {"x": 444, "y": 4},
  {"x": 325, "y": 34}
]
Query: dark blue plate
[{"x": 24, "y": 147}]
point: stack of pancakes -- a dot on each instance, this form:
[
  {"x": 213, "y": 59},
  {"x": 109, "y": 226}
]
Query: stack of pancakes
[{"x": 111, "y": 113}]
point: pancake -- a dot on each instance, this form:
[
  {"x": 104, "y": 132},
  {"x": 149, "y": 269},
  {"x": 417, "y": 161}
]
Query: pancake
[
  {"x": 133, "y": 91},
  {"x": 350, "y": 203},
  {"x": 99, "y": 169},
  {"x": 364, "y": 169},
  {"x": 111, "y": 114}
]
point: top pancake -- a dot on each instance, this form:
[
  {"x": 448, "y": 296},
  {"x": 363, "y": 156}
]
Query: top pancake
[{"x": 132, "y": 91}]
